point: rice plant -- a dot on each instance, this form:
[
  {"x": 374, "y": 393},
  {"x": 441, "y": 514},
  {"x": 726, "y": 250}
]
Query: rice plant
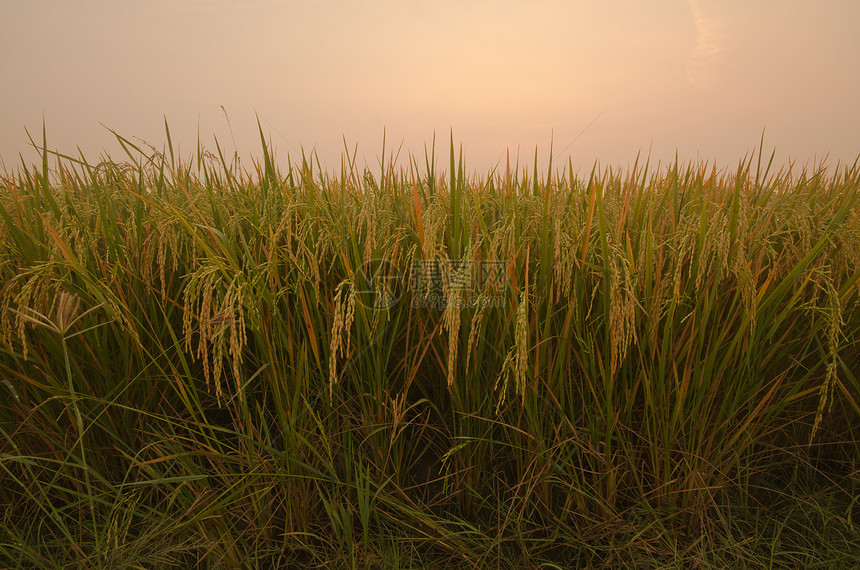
[{"x": 215, "y": 365}]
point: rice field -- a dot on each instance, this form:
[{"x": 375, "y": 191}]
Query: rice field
[{"x": 206, "y": 363}]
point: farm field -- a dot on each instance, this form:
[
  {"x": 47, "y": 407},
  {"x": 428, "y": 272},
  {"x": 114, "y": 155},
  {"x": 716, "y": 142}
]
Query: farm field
[{"x": 216, "y": 364}]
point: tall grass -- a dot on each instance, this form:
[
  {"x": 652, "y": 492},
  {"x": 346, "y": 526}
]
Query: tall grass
[{"x": 209, "y": 364}]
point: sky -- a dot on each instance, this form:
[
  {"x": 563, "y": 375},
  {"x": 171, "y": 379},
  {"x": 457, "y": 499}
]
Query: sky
[{"x": 591, "y": 81}]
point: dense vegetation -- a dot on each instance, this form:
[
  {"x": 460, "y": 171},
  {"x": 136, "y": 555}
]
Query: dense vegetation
[{"x": 210, "y": 364}]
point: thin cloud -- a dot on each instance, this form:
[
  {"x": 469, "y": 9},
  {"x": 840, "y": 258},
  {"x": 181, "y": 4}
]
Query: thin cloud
[{"x": 709, "y": 45}]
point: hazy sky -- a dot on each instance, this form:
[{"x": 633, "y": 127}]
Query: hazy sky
[{"x": 700, "y": 77}]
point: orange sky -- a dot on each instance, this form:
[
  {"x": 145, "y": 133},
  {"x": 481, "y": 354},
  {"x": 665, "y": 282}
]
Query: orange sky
[{"x": 700, "y": 77}]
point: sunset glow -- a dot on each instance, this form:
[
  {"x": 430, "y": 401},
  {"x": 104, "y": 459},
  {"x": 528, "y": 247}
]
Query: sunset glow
[{"x": 699, "y": 77}]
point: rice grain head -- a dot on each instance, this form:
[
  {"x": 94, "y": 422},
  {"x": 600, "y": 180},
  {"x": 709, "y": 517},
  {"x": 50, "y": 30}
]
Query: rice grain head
[
  {"x": 451, "y": 321},
  {"x": 521, "y": 337},
  {"x": 503, "y": 378},
  {"x": 344, "y": 313},
  {"x": 622, "y": 307},
  {"x": 477, "y": 318},
  {"x": 835, "y": 322}
]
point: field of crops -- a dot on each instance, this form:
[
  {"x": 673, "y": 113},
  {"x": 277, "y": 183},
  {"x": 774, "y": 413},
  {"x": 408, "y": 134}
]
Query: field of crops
[{"x": 205, "y": 362}]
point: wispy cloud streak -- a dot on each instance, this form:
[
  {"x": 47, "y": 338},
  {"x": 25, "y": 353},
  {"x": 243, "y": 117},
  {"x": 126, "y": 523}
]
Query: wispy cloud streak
[{"x": 709, "y": 45}]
